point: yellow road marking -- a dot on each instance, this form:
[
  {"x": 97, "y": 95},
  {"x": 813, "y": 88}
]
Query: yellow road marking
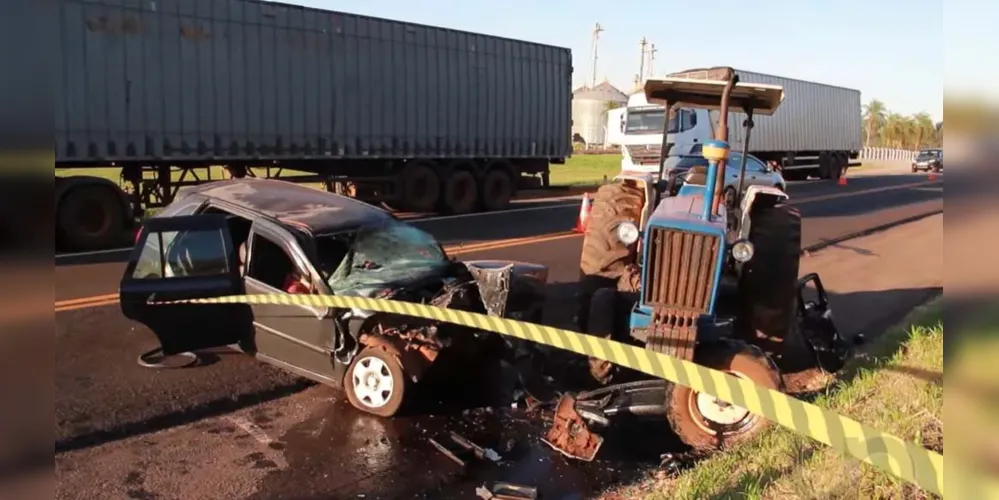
[{"x": 108, "y": 299}]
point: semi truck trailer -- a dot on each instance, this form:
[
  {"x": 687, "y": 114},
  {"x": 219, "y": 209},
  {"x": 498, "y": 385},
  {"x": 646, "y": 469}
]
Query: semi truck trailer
[
  {"x": 165, "y": 94},
  {"x": 816, "y": 132}
]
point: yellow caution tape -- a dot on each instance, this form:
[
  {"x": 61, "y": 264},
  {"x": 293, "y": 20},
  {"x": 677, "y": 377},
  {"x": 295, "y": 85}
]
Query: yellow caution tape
[{"x": 902, "y": 459}]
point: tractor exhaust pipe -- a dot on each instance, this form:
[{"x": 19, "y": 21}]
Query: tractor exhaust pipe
[{"x": 721, "y": 134}]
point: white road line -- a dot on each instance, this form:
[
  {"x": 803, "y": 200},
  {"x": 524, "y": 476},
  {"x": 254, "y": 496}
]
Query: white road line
[
  {"x": 251, "y": 429},
  {"x": 417, "y": 221}
]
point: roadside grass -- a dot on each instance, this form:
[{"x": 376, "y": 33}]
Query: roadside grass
[
  {"x": 585, "y": 170},
  {"x": 896, "y": 387}
]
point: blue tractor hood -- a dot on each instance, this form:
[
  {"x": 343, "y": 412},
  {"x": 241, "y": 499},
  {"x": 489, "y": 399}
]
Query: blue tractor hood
[{"x": 684, "y": 212}]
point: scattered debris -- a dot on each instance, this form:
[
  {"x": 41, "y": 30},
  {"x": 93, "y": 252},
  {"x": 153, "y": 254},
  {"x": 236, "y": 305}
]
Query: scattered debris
[
  {"x": 480, "y": 452},
  {"x": 507, "y": 491},
  {"x": 446, "y": 452},
  {"x": 569, "y": 434}
]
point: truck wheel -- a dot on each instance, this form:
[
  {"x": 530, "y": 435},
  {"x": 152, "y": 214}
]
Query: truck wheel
[
  {"x": 705, "y": 423},
  {"x": 91, "y": 218},
  {"x": 604, "y": 258},
  {"x": 421, "y": 188},
  {"x": 602, "y": 322},
  {"x": 768, "y": 285},
  {"x": 375, "y": 382},
  {"x": 461, "y": 193},
  {"x": 497, "y": 190}
]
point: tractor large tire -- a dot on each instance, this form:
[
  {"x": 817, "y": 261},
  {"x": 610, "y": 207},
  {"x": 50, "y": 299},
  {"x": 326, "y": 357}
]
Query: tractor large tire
[
  {"x": 706, "y": 424},
  {"x": 604, "y": 259},
  {"x": 768, "y": 291}
]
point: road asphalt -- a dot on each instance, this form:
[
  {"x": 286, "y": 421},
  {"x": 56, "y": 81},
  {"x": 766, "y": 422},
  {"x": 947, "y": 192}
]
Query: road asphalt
[{"x": 313, "y": 445}]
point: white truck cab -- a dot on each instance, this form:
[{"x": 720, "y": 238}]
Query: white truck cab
[{"x": 642, "y": 128}]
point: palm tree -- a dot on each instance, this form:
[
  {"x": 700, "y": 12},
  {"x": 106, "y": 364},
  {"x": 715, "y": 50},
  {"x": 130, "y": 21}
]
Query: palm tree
[
  {"x": 874, "y": 117},
  {"x": 923, "y": 129},
  {"x": 895, "y": 131}
]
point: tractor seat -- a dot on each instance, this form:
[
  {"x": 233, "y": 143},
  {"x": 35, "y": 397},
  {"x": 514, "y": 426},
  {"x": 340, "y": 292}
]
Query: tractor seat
[{"x": 696, "y": 175}]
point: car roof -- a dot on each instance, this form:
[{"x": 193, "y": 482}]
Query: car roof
[{"x": 293, "y": 204}]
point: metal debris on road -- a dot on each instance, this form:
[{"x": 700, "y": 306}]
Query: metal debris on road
[
  {"x": 507, "y": 491},
  {"x": 480, "y": 452},
  {"x": 569, "y": 434},
  {"x": 446, "y": 452}
]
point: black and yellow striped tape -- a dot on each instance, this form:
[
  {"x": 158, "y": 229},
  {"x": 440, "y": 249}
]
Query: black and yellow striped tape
[{"x": 899, "y": 458}]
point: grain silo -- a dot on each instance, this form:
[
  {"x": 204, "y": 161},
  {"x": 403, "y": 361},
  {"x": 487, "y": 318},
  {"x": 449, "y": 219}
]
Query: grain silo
[{"x": 589, "y": 111}]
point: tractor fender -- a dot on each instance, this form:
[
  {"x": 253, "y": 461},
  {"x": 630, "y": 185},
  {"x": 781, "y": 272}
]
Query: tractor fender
[
  {"x": 645, "y": 182},
  {"x": 757, "y": 194}
]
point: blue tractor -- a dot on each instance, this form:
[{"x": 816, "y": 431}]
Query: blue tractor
[{"x": 686, "y": 273}]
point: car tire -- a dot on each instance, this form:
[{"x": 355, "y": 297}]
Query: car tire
[
  {"x": 688, "y": 412},
  {"x": 375, "y": 382}
]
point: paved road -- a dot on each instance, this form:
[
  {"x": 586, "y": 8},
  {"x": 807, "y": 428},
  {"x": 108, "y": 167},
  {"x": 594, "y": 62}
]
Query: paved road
[
  {"x": 101, "y": 393},
  {"x": 312, "y": 445}
]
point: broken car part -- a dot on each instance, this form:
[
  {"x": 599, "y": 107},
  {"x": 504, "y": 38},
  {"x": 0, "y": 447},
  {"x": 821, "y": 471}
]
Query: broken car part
[
  {"x": 569, "y": 434},
  {"x": 507, "y": 491}
]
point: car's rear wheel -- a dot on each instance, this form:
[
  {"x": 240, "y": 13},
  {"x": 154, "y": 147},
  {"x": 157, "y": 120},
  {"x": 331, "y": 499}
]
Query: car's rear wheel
[{"x": 375, "y": 382}]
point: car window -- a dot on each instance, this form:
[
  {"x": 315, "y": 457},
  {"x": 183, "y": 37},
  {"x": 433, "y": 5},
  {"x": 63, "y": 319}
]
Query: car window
[
  {"x": 272, "y": 265},
  {"x": 752, "y": 164},
  {"x": 168, "y": 254}
]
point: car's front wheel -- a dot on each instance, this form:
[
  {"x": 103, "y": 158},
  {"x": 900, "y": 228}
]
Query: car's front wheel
[{"x": 375, "y": 382}]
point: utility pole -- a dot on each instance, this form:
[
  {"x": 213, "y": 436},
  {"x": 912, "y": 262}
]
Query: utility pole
[
  {"x": 641, "y": 64},
  {"x": 652, "y": 60},
  {"x": 596, "y": 40}
]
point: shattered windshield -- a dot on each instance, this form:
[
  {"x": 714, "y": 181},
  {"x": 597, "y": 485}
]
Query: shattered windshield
[{"x": 391, "y": 252}]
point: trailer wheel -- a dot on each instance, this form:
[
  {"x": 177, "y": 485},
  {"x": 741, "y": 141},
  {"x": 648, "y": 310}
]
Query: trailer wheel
[
  {"x": 421, "y": 188},
  {"x": 375, "y": 382},
  {"x": 461, "y": 192},
  {"x": 497, "y": 189},
  {"x": 91, "y": 218},
  {"x": 705, "y": 423},
  {"x": 768, "y": 285}
]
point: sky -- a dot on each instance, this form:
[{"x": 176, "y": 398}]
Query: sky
[{"x": 891, "y": 50}]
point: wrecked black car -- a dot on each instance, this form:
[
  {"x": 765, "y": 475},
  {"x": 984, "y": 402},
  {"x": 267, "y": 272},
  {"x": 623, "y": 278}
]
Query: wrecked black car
[{"x": 251, "y": 236}]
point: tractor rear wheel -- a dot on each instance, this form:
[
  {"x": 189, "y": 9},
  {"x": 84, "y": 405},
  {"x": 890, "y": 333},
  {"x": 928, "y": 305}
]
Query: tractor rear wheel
[
  {"x": 768, "y": 285},
  {"x": 605, "y": 259},
  {"x": 705, "y": 423}
]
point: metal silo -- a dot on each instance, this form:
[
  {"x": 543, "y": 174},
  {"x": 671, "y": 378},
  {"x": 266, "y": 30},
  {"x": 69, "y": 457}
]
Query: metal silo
[{"x": 589, "y": 111}]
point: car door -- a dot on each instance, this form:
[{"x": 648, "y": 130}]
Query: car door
[
  {"x": 185, "y": 257},
  {"x": 299, "y": 338}
]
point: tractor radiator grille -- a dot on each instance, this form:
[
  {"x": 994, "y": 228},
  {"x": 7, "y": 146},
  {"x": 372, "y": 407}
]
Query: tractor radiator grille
[{"x": 680, "y": 269}]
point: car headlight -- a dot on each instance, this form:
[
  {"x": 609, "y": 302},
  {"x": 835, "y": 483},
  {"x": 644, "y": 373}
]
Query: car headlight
[
  {"x": 627, "y": 233},
  {"x": 742, "y": 251}
]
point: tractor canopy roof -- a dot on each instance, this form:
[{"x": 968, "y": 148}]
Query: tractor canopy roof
[{"x": 703, "y": 89}]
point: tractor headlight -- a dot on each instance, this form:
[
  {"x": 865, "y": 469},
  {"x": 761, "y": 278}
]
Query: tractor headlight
[
  {"x": 742, "y": 251},
  {"x": 627, "y": 233}
]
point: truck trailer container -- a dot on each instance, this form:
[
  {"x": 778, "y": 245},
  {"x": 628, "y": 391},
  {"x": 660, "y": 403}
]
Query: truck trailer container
[
  {"x": 415, "y": 117},
  {"x": 816, "y": 131}
]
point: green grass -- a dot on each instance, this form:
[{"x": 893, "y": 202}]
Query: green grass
[
  {"x": 897, "y": 387},
  {"x": 585, "y": 170},
  {"x": 579, "y": 170}
]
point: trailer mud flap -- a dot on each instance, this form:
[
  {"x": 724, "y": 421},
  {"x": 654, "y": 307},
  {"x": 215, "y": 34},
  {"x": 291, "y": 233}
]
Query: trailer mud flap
[
  {"x": 569, "y": 434},
  {"x": 830, "y": 349}
]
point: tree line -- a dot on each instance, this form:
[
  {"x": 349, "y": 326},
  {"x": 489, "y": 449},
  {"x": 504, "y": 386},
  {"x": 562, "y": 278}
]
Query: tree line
[{"x": 884, "y": 128}]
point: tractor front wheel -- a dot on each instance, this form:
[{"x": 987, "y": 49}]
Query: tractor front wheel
[
  {"x": 705, "y": 423},
  {"x": 604, "y": 259}
]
